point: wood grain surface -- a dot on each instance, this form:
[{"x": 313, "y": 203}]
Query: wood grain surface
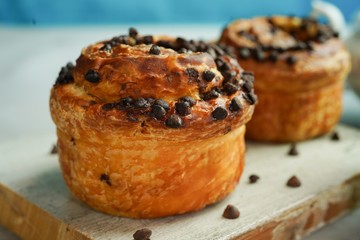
[{"x": 36, "y": 204}]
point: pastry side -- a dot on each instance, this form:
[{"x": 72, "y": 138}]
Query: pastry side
[{"x": 152, "y": 126}]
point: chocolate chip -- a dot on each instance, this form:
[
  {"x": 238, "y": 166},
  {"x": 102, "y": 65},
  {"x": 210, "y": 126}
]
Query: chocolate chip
[
  {"x": 291, "y": 60},
  {"x": 105, "y": 178},
  {"x": 148, "y": 39},
  {"x": 162, "y": 103},
  {"x": 124, "y": 103},
  {"x": 247, "y": 86},
  {"x": 211, "y": 52},
  {"x": 336, "y": 34},
  {"x": 253, "y": 178},
  {"x": 231, "y": 212},
  {"x": 235, "y": 105},
  {"x": 188, "y": 99},
  {"x": 244, "y": 53},
  {"x": 248, "y": 76},
  {"x": 107, "y": 106},
  {"x": 228, "y": 75},
  {"x": 250, "y": 97},
  {"x": 54, "y": 149},
  {"x": 133, "y": 32},
  {"x": 158, "y": 112},
  {"x": 65, "y": 74},
  {"x": 182, "y": 50},
  {"x": 293, "y": 182},
  {"x": 164, "y": 44},
  {"x": 273, "y": 56},
  {"x": 182, "y": 108},
  {"x": 192, "y": 73},
  {"x": 154, "y": 50},
  {"x": 293, "y": 150},
  {"x": 106, "y": 47},
  {"x": 219, "y": 113},
  {"x": 92, "y": 76},
  {"x": 141, "y": 103},
  {"x": 335, "y": 136},
  {"x": 142, "y": 234},
  {"x": 208, "y": 75},
  {"x": 211, "y": 95},
  {"x": 174, "y": 121},
  {"x": 230, "y": 88},
  {"x": 219, "y": 63},
  {"x": 259, "y": 55}
]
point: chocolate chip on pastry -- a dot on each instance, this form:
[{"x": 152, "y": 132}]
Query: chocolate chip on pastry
[
  {"x": 300, "y": 67},
  {"x": 156, "y": 112}
]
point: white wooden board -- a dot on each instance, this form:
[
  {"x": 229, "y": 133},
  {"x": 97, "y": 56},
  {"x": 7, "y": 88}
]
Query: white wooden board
[{"x": 35, "y": 203}]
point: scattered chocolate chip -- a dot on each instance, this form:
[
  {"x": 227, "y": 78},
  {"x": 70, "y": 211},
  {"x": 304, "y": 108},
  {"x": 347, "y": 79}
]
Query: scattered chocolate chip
[
  {"x": 182, "y": 108},
  {"x": 107, "y": 106},
  {"x": 158, "y": 112},
  {"x": 231, "y": 212},
  {"x": 208, "y": 75},
  {"x": 273, "y": 56},
  {"x": 142, "y": 234},
  {"x": 192, "y": 73},
  {"x": 141, "y": 103},
  {"x": 219, "y": 63},
  {"x": 293, "y": 150},
  {"x": 211, "y": 95},
  {"x": 155, "y": 50},
  {"x": 244, "y": 53},
  {"x": 230, "y": 88},
  {"x": 235, "y": 105},
  {"x": 92, "y": 76},
  {"x": 105, "y": 178},
  {"x": 291, "y": 60},
  {"x": 293, "y": 182},
  {"x": 133, "y": 32},
  {"x": 148, "y": 39},
  {"x": 54, "y": 149},
  {"x": 250, "y": 97},
  {"x": 188, "y": 99},
  {"x": 174, "y": 121},
  {"x": 162, "y": 103},
  {"x": 253, "y": 178},
  {"x": 247, "y": 86},
  {"x": 219, "y": 113},
  {"x": 335, "y": 136}
]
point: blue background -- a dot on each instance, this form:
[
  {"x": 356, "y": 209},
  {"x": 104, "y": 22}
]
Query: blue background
[{"x": 66, "y": 12}]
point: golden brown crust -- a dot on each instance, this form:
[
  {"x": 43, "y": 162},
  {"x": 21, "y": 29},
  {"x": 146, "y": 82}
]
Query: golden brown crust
[
  {"x": 299, "y": 98},
  {"x": 122, "y": 159}
]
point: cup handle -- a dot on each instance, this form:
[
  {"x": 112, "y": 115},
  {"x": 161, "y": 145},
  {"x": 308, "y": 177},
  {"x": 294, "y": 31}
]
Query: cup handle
[{"x": 332, "y": 13}]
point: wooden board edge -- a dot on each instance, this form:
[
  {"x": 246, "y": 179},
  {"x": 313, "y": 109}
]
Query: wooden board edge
[
  {"x": 311, "y": 214},
  {"x": 30, "y": 222}
]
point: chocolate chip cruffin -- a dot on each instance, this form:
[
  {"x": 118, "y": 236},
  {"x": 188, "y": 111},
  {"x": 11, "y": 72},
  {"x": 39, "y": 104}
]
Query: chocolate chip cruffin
[
  {"x": 300, "y": 66},
  {"x": 154, "y": 118}
]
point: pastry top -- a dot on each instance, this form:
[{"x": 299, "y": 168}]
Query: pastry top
[
  {"x": 162, "y": 82},
  {"x": 302, "y": 49}
]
